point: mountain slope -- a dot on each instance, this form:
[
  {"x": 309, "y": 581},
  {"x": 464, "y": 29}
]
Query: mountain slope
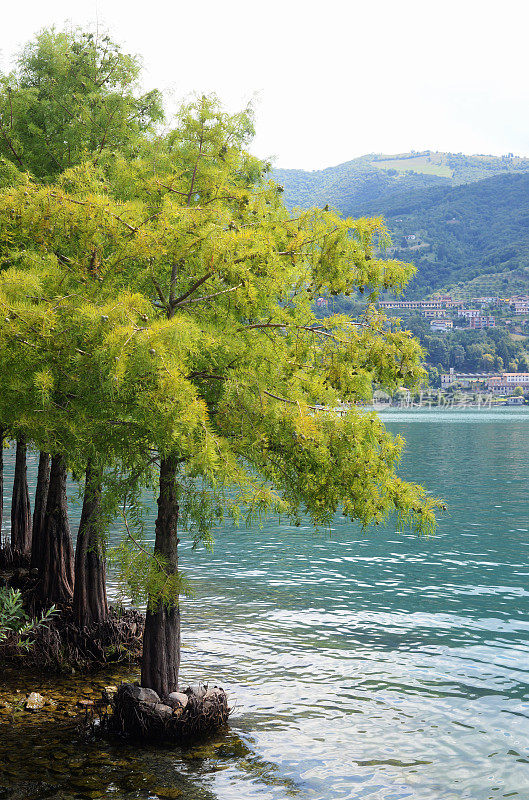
[
  {"x": 476, "y": 232},
  {"x": 461, "y": 219},
  {"x": 380, "y": 177}
]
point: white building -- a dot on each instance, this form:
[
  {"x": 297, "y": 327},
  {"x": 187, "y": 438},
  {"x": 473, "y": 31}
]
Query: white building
[
  {"x": 520, "y": 305},
  {"x": 469, "y": 313},
  {"x": 441, "y": 325}
]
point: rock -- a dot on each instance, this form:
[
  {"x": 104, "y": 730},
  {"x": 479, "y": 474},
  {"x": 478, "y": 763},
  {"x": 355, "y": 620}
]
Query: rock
[
  {"x": 34, "y": 702},
  {"x": 177, "y": 700},
  {"x": 167, "y": 792},
  {"x": 163, "y": 710},
  {"x": 144, "y": 695},
  {"x": 213, "y": 696},
  {"x": 85, "y": 703}
]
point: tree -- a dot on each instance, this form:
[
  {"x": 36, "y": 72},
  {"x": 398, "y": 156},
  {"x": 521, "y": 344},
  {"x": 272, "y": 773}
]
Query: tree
[
  {"x": 226, "y": 259},
  {"x": 457, "y": 355},
  {"x": 72, "y": 96},
  {"x": 164, "y": 318},
  {"x": 475, "y": 354},
  {"x": 437, "y": 350},
  {"x": 20, "y": 508}
]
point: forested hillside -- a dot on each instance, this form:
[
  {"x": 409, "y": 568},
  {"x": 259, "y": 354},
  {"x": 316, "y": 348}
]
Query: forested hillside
[
  {"x": 463, "y": 220},
  {"x": 474, "y": 238},
  {"x": 347, "y": 185}
]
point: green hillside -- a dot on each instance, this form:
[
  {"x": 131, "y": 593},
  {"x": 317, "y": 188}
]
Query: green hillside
[
  {"x": 377, "y": 177},
  {"x": 463, "y": 220},
  {"x": 474, "y": 237},
  {"x": 344, "y": 186}
]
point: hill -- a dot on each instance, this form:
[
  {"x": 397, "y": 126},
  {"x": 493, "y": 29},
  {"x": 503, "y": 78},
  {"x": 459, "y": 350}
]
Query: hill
[
  {"x": 473, "y": 238},
  {"x": 463, "y": 220},
  {"x": 377, "y": 177}
]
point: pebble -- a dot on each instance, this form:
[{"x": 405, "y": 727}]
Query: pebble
[{"x": 35, "y": 702}]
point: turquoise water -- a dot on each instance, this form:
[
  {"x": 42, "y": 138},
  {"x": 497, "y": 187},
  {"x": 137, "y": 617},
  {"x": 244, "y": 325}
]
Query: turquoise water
[{"x": 379, "y": 666}]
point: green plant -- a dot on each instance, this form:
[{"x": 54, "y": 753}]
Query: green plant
[{"x": 15, "y": 622}]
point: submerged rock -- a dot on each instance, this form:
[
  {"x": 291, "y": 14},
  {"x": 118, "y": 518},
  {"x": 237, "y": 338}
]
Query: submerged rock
[{"x": 35, "y": 702}]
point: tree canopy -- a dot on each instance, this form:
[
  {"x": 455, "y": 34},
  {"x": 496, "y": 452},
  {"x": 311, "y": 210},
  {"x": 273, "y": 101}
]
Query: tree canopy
[
  {"x": 184, "y": 269},
  {"x": 72, "y": 96},
  {"x": 158, "y": 327}
]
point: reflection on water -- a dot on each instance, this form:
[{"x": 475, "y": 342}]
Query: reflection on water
[{"x": 376, "y": 666}]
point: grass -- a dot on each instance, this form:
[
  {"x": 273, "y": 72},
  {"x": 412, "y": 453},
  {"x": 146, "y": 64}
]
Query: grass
[{"x": 428, "y": 165}]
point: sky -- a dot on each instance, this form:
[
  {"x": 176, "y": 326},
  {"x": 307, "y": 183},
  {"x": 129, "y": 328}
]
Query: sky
[{"x": 330, "y": 80}]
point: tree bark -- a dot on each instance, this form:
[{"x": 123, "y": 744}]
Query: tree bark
[
  {"x": 41, "y": 498},
  {"x": 90, "y": 594},
  {"x": 2, "y": 434},
  {"x": 161, "y": 638},
  {"x": 20, "y": 506},
  {"x": 57, "y": 573}
]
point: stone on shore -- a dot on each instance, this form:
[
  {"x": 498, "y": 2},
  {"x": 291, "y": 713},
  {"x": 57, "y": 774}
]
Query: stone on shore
[{"x": 177, "y": 700}]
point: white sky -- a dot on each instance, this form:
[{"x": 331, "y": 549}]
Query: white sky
[{"x": 333, "y": 79}]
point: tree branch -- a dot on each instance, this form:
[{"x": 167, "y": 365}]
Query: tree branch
[
  {"x": 196, "y": 165},
  {"x": 208, "y": 297},
  {"x": 193, "y": 288},
  {"x": 10, "y": 145}
]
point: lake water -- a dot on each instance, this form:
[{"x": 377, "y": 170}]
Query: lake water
[{"x": 379, "y": 665}]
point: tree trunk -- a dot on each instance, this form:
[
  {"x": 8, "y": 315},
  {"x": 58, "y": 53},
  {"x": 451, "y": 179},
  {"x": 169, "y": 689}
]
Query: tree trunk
[
  {"x": 90, "y": 594},
  {"x": 56, "y": 575},
  {"x": 20, "y": 507},
  {"x": 2, "y": 433},
  {"x": 161, "y": 638},
  {"x": 41, "y": 498}
]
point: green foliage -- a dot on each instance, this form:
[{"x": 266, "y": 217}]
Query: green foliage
[
  {"x": 475, "y": 234},
  {"x": 376, "y": 179},
  {"x": 163, "y": 306},
  {"x": 468, "y": 350},
  {"x": 14, "y": 622},
  {"x": 72, "y": 96}
]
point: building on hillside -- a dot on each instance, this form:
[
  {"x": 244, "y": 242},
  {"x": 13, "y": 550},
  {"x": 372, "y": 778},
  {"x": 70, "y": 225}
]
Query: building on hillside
[
  {"x": 420, "y": 305},
  {"x": 464, "y": 380},
  {"x": 520, "y": 305},
  {"x": 507, "y": 382},
  {"x": 469, "y": 313},
  {"x": 441, "y": 325},
  {"x": 434, "y": 313},
  {"x": 485, "y": 301},
  {"x": 481, "y": 322}
]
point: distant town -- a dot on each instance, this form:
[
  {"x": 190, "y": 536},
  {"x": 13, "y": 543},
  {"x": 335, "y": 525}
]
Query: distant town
[{"x": 444, "y": 313}]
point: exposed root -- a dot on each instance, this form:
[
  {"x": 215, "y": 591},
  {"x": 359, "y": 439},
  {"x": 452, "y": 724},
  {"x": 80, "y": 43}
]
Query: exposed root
[
  {"x": 183, "y": 716},
  {"x": 11, "y": 560},
  {"x": 61, "y": 644}
]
